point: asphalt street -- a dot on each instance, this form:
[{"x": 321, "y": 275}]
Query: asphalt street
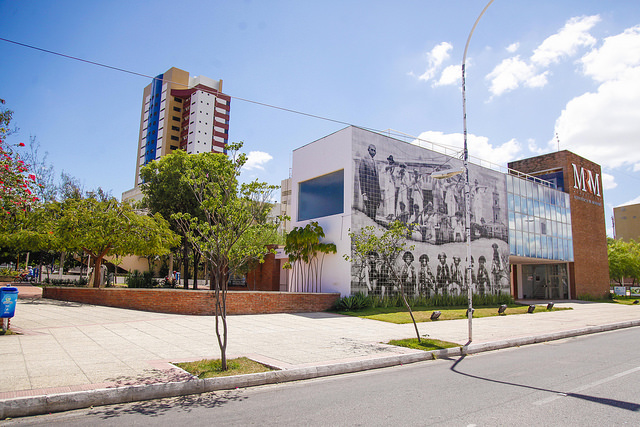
[{"x": 589, "y": 380}]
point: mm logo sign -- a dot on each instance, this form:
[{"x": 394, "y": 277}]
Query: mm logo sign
[{"x": 585, "y": 180}]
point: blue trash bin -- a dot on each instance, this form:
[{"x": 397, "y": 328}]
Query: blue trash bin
[{"x": 8, "y": 300}]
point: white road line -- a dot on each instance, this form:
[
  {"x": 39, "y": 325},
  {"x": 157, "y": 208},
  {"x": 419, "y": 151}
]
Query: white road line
[{"x": 558, "y": 395}]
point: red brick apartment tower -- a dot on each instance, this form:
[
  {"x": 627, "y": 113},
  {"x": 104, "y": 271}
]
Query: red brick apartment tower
[{"x": 589, "y": 273}]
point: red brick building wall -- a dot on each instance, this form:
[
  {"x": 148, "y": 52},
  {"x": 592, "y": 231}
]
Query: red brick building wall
[
  {"x": 266, "y": 276},
  {"x": 177, "y": 301},
  {"x": 590, "y": 269}
]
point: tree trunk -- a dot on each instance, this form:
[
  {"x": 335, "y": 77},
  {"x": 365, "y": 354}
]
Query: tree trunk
[
  {"x": 97, "y": 274},
  {"x": 61, "y": 265},
  {"x": 185, "y": 263},
  {"x": 196, "y": 261},
  {"x": 221, "y": 315}
]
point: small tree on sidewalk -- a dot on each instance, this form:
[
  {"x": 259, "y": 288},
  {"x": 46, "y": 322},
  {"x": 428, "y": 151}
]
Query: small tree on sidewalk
[
  {"x": 388, "y": 245},
  {"x": 232, "y": 228}
]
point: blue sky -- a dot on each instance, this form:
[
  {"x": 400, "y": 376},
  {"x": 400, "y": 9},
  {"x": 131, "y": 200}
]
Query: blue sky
[{"x": 534, "y": 69}]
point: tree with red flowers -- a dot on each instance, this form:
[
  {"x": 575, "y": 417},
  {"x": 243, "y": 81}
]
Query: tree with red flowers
[{"x": 16, "y": 183}]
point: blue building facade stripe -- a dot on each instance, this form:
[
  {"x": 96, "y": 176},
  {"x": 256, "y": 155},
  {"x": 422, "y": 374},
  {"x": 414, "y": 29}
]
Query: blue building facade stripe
[{"x": 154, "y": 114}]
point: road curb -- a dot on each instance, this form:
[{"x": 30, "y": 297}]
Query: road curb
[{"x": 58, "y": 402}]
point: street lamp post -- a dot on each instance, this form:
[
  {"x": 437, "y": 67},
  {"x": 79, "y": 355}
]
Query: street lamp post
[{"x": 467, "y": 191}]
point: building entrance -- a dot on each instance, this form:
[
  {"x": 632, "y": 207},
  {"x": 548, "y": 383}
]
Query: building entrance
[{"x": 545, "y": 281}]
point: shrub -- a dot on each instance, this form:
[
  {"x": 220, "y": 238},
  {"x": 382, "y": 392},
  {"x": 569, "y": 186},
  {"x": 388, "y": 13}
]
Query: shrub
[
  {"x": 354, "y": 302},
  {"x": 140, "y": 280},
  {"x": 359, "y": 301}
]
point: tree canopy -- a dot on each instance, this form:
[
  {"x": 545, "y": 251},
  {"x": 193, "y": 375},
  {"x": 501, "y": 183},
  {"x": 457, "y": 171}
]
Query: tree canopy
[
  {"x": 233, "y": 228},
  {"x": 624, "y": 260}
]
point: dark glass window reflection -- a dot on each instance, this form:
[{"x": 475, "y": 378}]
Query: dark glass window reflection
[{"x": 321, "y": 196}]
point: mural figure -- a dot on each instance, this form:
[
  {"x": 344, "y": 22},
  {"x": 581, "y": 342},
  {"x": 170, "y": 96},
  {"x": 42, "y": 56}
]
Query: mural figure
[
  {"x": 442, "y": 274},
  {"x": 384, "y": 280},
  {"x": 474, "y": 279},
  {"x": 426, "y": 280},
  {"x": 497, "y": 270},
  {"x": 484, "y": 285},
  {"x": 373, "y": 281},
  {"x": 456, "y": 277},
  {"x": 370, "y": 183},
  {"x": 408, "y": 274}
]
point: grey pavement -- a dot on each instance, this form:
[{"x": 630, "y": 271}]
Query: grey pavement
[{"x": 65, "y": 347}]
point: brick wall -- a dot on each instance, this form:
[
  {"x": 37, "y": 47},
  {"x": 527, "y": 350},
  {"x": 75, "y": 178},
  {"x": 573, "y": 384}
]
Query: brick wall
[
  {"x": 590, "y": 269},
  {"x": 177, "y": 301}
]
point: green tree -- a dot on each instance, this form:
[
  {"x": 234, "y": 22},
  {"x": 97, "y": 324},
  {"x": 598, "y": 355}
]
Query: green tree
[
  {"x": 624, "y": 260},
  {"x": 303, "y": 248},
  {"x": 388, "y": 245},
  {"x": 231, "y": 230},
  {"x": 108, "y": 227},
  {"x": 167, "y": 192}
]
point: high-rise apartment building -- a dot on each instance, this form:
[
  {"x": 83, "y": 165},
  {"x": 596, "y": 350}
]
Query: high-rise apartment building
[{"x": 180, "y": 112}]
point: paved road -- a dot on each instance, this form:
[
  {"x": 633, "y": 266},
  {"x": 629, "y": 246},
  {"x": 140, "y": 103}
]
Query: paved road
[{"x": 588, "y": 381}]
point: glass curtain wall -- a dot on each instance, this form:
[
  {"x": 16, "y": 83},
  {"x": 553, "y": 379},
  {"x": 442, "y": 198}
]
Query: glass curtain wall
[{"x": 539, "y": 220}]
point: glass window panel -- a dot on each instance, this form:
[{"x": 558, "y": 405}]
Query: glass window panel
[
  {"x": 543, "y": 226},
  {"x": 550, "y": 247},
  {"x": 510, "y": 202},
  {"x": 523, "y": 205},
  {"x": 560, "y": 249},
  {"x": 538, "y": 247},
  {"x": 565, "y": 245},
  {"x": 556, "y": 254},
  {"x": 516, "y": 201},
  {"x": 553, "y": 212},
  {"x": 532, "y": 224},
  {"x": 519, "y": 250},
  {"x": 570, "y": 251},
  {"x": 518, "y": 221},
  {"x": 543, "y": 244},
  {"x": 512, "y": 220},
  {"x": 512, "y": 242},
  {"x": 532, "y": 245},
  {"x": 530, "y": 207},
  {"x": 536, "y": 228},
  {"x": 321, "y": 196},
  {"x": 509, "y": 183},
  {"x": 525, "y": 237},
  {"x": 536, "y": 208}
]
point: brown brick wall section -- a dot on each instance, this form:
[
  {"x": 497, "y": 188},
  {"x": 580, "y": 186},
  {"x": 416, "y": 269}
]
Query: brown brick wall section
[
  {"x": 176, "y": 301},
  {"x": 591, "y": 265}
]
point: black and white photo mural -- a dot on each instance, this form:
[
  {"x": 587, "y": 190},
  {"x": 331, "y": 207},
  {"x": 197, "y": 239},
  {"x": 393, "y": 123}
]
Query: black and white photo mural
[{"x": 393, "y": 181}]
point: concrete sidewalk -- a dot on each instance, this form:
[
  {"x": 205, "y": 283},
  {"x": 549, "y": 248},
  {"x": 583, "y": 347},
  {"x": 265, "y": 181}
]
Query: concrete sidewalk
[{"x": 71, "y": 348}]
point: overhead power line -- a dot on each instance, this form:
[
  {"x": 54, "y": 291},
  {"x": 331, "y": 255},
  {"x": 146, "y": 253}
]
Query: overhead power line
[{"x": 390, "y": 132}]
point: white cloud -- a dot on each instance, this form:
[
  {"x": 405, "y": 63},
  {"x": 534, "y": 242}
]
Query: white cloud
[
  {"x": 511, "y": 72},
  {"x": 256, "y": 160},
  {"x": 617, "y": 54},
  {"x": 514, "y": 72},
  {"x": 479, "y": 146},
  {"x": 435, "y": 59},
  {"x": 608, "y": 182},
  {"x": 604, "y": 125},
  {"x": 451, "y": 75},
  {"x": 565, "y": 43},
  {"x": 631, "y": 202}
]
